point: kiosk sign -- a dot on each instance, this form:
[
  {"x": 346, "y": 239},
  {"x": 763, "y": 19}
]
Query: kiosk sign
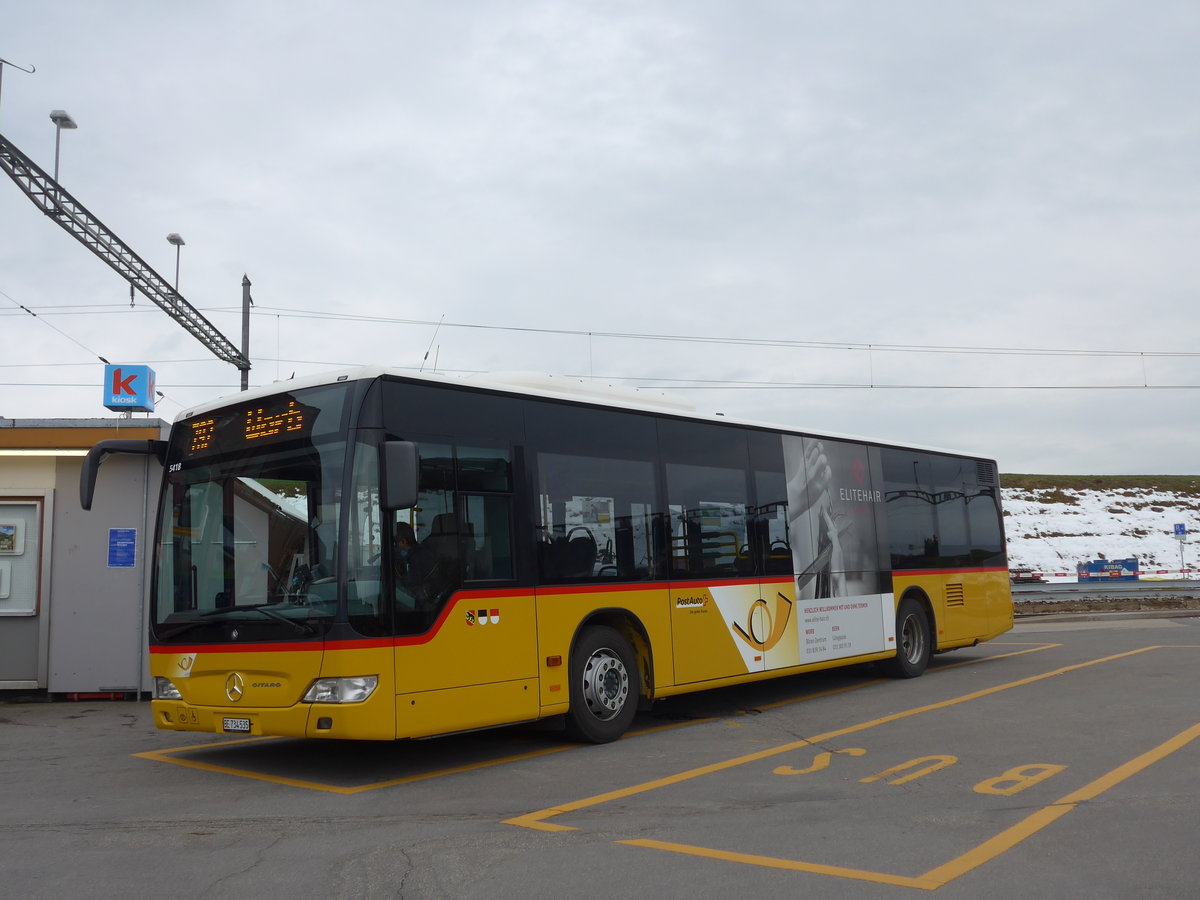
[{"x": 129, "y": 387}]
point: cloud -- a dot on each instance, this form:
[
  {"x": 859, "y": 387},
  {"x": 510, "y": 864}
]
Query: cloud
[{"x": 982, "y": 175}]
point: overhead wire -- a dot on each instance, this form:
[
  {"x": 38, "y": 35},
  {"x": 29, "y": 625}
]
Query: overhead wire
[
  {"x": 643, "y": 380},
  {"x": 293, "y": 313},
  {"x": 73, "y": 340}
]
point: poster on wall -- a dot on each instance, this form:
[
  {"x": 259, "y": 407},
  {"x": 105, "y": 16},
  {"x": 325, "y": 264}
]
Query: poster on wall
[
  {"x": 12, "y": 538},
  {"x": 20, "y": 528},
  {"x": 122, "y": 548}
]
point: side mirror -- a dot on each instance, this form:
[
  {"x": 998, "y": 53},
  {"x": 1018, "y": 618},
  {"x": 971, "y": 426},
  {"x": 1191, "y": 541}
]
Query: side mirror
[
  {"x": 401, "y": 474},
  {"x": 101, "y": 451}
]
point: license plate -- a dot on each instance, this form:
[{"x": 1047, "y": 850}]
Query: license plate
[{"x": 236, "y": 726}]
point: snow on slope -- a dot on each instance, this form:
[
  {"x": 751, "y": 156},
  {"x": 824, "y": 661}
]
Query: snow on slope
[{"x": 1051, "y": 531}]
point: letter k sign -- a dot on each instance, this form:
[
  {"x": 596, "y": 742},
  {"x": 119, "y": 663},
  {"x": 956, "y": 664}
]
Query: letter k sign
[
  {"x": 129, "y": 388},
  {"x": 124, "y": 385}
]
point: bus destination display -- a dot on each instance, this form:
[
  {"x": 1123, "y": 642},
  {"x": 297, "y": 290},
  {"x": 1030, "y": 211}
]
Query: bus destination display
[{"x": 264, "y": 422}]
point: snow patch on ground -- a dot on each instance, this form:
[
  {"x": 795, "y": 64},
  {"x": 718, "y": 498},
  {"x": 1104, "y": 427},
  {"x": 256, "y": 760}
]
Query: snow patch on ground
[{"x": 1051, "y": 531}]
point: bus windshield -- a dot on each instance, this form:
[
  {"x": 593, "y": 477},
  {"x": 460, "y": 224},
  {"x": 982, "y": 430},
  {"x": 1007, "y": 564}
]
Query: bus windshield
[{"x": 248, "y": 529}]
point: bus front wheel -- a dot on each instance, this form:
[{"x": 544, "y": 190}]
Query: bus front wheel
[
  {"x": 914, "y": 641},
  {"x": 604, "y": 686}
]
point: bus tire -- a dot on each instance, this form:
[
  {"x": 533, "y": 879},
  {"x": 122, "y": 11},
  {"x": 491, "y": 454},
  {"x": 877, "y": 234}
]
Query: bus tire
[
  {"x": 914, "y": 641},
  {"x": 604, "y": 686}
]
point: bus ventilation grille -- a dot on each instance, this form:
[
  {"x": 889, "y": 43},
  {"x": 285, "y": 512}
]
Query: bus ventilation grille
[
  {"x": 985, "y": 473},
  {"x": 955, "y": 596}
]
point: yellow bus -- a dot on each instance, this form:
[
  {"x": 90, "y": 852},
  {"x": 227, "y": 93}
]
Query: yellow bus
[{"x": 379, "y": 555}]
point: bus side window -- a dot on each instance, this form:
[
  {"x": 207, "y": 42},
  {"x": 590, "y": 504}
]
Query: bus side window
[
  {"x": 708, "y": 518},
  {"x": 769, "y": 538},
  {"x": 594, "y": 519},
  {"x": 708, "y": 495},
  {"x": 487, "y": 535},
  {"x": 364, "y": 549}
]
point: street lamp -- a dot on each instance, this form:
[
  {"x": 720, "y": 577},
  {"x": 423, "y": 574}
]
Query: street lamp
[
  {"x": 61, "y": 119},
  {"x": 174, "y": 239},
  {"x": 5, "y": 62}
]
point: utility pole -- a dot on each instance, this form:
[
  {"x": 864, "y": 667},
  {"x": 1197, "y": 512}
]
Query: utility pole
[{"x": 246, "y": 304}]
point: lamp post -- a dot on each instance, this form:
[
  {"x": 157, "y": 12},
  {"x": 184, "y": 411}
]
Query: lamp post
[
  {"x": 5, "y": 62},
  {"x": 174, "y": 239},
  {"x": 61, "y": 119}
]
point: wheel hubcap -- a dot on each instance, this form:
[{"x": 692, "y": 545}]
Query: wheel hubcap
[
  {"x": 913, "y": 639},
  {"x": 605, "y": 684}
]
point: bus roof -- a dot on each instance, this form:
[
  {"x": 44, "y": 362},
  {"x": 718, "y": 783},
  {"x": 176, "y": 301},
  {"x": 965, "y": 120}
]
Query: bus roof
[{"x": 555, "y": 387}]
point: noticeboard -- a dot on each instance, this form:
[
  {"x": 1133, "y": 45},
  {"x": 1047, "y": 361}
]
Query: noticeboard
[{"x": 122, "y": 548}]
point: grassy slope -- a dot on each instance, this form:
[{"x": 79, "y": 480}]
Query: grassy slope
[{"x": 1179, "y": 484}]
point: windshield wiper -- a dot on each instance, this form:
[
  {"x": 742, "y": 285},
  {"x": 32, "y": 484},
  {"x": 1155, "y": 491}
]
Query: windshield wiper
[
  {"x": 302, "y": 627},
  {"x": 179, "y": 629}
]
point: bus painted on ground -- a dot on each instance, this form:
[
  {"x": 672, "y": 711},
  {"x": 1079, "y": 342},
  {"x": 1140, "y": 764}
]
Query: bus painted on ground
[{"x": 379, "y": 555}]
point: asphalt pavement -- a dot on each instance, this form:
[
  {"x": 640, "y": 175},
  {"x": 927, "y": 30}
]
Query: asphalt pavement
[{"x": 1056, "y": 761}]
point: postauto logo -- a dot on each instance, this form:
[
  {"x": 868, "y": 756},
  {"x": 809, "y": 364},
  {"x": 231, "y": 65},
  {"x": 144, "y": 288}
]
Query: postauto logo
[{"x": 764, "y": 628}]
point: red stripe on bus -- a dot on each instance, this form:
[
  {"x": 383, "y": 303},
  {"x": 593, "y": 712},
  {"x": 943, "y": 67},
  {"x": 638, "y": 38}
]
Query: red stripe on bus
[
  {"x": 693, "y": 585},
  {"x": 909, "y": 573},
  {"x": 290, "y": 647},
  {"x": 468, "y": 599}
]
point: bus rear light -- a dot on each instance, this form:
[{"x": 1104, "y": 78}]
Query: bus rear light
[
  {"x": 165, "y": 690},
  {"x": 341, "y": 690}
]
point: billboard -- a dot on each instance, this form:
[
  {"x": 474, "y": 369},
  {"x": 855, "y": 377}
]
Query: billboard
[{"x": 1108, "y": 570}]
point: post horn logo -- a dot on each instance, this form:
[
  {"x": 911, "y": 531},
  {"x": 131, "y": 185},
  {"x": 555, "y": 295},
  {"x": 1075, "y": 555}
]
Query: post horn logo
[
  {"x": 235, "y": 687},
  {"x": 763, "y": 630}
]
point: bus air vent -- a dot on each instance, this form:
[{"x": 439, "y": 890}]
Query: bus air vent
[{"x": 955, "y": 595}]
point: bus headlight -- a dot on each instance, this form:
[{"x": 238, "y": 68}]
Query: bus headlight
[
  {"x": 165, "y": 690},
  {"x": 341, "y": 690}
]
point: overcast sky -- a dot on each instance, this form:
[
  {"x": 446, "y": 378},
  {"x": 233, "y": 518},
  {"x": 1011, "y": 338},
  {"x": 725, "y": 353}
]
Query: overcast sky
[{"x": 811, "y": 184}]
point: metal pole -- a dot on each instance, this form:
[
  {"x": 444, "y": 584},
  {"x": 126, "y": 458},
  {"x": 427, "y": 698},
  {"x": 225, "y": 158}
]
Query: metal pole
[
  {"x": 177, "y": 246},
  {"x": 246, "y": 304},
  {"x": 57, "y": 141},
  {"x": 5, "y": 62},
  {"x": 64, "y": 210}
]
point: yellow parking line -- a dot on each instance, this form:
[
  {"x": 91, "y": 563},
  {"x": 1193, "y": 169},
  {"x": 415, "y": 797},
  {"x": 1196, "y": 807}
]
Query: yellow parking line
[
  {"x": 1035, "y": 648},
  {"x": 972, "y": 859},
  {"x": 936, "y": 877},
  {"x": 771, "y": 862},
  {"x": 862, "y": 684},
  {"x": 170, "y": 755},
  {"x": 154, "y": 754},
  {"x": 167, "y": 756},
  {"x": 1034, "y": 823},
  {"x": 538, "y": 819}
]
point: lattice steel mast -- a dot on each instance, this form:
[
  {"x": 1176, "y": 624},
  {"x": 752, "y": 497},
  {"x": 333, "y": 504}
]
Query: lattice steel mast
[{"x": 49, "y": 196}]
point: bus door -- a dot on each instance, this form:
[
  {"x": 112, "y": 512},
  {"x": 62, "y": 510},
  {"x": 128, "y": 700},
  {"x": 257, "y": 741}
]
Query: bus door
[
  {"x": 777, "y": 615},
  {"x": 721, "y": 624},
  {"x": 466, "y": 638}
]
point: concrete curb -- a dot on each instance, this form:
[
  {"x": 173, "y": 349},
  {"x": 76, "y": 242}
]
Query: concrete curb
[{"x": 1102, "y": 616}]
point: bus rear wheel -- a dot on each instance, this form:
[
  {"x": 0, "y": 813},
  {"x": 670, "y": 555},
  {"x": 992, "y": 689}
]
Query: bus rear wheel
[
  {"x": 914, "y": 641},
  {"x": 604, "y": 686}
]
